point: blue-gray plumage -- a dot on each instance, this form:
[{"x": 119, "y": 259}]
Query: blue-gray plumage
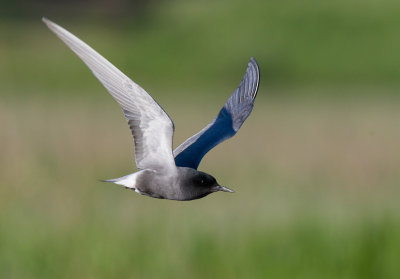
[
  {"x": 225, "y": 125},
  {"x": 162, "y": 173}
]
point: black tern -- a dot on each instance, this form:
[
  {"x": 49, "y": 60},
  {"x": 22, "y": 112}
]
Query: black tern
[{"x": 163, "y": 173}]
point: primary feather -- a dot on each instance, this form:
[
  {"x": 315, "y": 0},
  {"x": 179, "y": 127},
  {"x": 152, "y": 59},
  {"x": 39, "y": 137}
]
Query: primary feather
[
  {"x": 225, "y": 125},
  {"x": 151, "y": 127}
]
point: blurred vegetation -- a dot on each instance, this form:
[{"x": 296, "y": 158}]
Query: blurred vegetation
[
  {"x": 315, "y": 167},
  {"x": 316, "y": 195},
  {"x": 181, "y": 45}
]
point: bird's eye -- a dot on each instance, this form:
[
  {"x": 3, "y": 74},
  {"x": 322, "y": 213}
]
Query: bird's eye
[{"x": 202, "y": 181}]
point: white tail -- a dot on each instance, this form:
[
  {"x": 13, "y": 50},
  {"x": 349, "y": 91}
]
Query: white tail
[{"x": 128, "y": 181}]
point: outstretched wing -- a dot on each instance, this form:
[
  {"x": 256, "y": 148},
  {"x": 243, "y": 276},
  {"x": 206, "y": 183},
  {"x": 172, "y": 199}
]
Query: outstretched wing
[
  {"x": 229, "y": 120},
  {"x": 151, "y": 127}
]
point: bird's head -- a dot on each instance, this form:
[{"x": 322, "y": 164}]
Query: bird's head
[{"x": 208, "y": 182}]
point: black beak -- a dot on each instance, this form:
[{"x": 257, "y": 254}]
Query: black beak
[{"x": 223, "y": 189}]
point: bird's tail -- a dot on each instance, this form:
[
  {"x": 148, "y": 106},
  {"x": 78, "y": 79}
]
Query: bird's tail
[{"x": 128, "y": 181}]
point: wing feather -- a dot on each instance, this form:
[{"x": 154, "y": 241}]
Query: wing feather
[
  {"x": 151, "y": 127},
  {"x": 225, "y": 125}
]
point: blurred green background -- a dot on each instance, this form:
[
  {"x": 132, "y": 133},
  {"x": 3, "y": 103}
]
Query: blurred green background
[{"x": 315, "y": 167}]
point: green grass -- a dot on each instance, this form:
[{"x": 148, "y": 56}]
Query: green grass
[
  {"x": 184, "y": 45},
  {"x": 315, "y": 167},
  {"x": 319, "y": 199}
]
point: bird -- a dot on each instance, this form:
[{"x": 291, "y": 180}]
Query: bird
[{"x": 163, "y": 173}]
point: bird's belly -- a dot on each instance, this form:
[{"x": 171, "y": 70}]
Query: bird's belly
[{"x": 156, "y": 187}]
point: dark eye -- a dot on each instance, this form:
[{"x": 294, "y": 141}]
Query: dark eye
[{"x": 202, "y": 181}]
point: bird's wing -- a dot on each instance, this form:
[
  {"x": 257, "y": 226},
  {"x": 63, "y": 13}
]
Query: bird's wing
[
  {"x": 225, "y": 125},
  {"x": 151, "y": 127}
]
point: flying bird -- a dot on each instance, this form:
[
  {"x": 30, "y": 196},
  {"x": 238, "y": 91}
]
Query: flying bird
[{"x": 163, "y": 173}]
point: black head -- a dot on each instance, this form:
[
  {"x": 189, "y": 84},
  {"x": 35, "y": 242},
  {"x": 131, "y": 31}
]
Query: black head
[{"x": 206, "y": 181}]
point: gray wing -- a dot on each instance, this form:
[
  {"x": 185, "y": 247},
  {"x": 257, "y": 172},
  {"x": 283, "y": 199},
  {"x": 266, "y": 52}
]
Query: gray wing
[
  {"x": 225, "y": 125},
  {"x": 151, "y": 127}
]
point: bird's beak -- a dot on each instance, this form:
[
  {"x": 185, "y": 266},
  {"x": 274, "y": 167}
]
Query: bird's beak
[{"x": 224, "y": 189}]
